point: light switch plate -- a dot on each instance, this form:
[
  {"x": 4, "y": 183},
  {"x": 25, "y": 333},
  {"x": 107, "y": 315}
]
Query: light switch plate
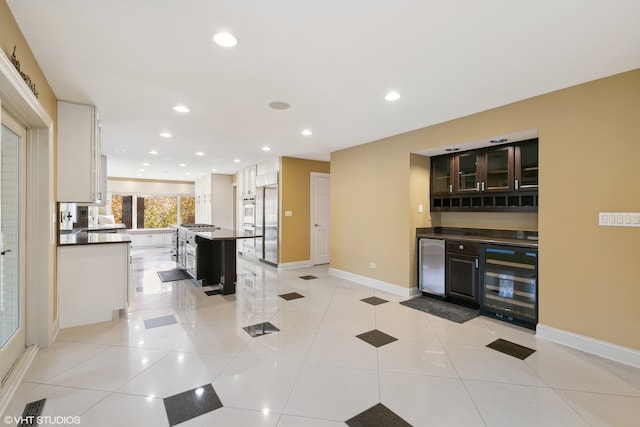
[
  {"x": 288, "y": 213},
  {"x": 619, "y": 219}
]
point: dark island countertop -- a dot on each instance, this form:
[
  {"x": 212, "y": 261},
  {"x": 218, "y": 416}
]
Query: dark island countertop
[
  {"x": 224, "y": 234},
  {"x": 92, "y": 238},
  {"x": 528, "y": 239}
]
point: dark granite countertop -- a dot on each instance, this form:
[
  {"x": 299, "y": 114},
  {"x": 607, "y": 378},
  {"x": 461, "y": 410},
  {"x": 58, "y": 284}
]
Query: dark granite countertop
[
  {"x": 92, "y": 238},
  {"x": 224, "y": 234},
  {"x": 527, "y": 239}
]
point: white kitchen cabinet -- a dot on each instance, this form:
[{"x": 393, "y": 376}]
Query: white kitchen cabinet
[
  {"x": 79, "y": 157},
  {"x": 214, "y": 200},
  {"x": 93, "y": 281},
  {"x": 246, "y": 179},
  {"x": 151, "y": 240}
]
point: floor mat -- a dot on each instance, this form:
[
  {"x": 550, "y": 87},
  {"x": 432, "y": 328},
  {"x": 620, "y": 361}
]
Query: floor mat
[
  {"x": 172, "y": 275},
  {"x": 446, "y": 310}
]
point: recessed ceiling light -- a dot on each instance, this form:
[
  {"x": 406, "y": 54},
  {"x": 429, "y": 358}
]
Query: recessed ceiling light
[
  {"x": 279, "y": 105},
  {"x": 451, "y": 149},
  {"x": 145, "y": 164},
  {"x": 154, "y": 152},
  {"x": 199, "y": 153},
  {"x": 166, "y": 135},
  {"x": 139, "y": 175},
  {"x": 188, "y": 173},
  {"x": 181, "y": 109},
  {"x": 225, "y": 39},
  {"x": 182, "y": 165},
  {"x": 498, "y": 141},
  {"x": 266, "y": 148},
  {"x": 140, "y": 170},
  {"x": 214, "y": 170},
  {"x": 392, "y": 96},
  {"x": 237, "y": 160},
  {"x": 306, "y": 132}
]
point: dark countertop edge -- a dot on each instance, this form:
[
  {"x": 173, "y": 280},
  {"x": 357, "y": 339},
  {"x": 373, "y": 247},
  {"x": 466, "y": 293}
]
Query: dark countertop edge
[
  {"x": 224, "y": 234},
  {"x": 98, "y": 239},
  {"x": 497, "y": 237}
]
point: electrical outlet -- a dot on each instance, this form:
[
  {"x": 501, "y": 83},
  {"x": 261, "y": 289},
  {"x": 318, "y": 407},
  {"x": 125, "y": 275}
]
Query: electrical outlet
[{"x": 372, "y": 265}]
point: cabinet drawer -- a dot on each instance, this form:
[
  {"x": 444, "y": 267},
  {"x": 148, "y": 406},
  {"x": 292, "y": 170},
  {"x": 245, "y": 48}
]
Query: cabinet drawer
[{"x": 466, "y": 248}]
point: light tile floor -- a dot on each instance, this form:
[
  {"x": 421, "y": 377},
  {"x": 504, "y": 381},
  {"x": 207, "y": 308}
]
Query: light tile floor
[{"x": 314, "y": 371}]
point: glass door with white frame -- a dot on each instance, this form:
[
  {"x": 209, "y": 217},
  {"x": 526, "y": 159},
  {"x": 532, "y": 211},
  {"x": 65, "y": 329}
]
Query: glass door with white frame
[{"x": 12, "y": 277}]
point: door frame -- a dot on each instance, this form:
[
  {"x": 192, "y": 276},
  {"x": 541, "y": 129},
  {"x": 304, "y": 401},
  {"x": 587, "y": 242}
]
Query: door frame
[
  {"x": 40, "y": 220},
  {"x": 312, "y": 242},
  {"x": 17, "y": 343}
]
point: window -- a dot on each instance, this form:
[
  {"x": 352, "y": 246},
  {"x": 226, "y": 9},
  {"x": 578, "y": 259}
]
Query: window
[{"x": 153, "y": 211}]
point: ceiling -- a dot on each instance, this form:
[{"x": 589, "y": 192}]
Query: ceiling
[{"x": 333, "y": 61}]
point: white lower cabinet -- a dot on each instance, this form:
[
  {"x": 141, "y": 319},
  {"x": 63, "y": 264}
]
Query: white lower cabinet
[
  {"x": 93, "y": 281},
  {"x": 149, "y": 240}
]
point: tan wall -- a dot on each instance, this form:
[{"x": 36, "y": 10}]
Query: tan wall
[
  {"x": 10, "y": 37},
  {"x": 588, "y": 163},
  {"x": 295, "y": 196}
]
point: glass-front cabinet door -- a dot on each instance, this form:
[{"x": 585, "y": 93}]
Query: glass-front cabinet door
[
  {"x": 441, "y": 168},
  {"x": 526, "y": 164},
  {"x": 467, "y": 172},
  {"x": 497, "y": 169}
]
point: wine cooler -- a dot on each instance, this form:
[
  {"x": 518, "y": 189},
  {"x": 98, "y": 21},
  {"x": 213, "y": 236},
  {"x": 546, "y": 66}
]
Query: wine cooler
[{"x": 510, "y": 285}]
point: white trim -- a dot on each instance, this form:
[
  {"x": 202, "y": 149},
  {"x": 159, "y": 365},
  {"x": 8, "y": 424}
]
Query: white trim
[
  {"x": 41, "y": 215},
  {"x": 604, "y": 349},
  {"x": 15, "y": 377},
  {"x": 376, "y": 284},
  {"x": 292, "y": 265}
]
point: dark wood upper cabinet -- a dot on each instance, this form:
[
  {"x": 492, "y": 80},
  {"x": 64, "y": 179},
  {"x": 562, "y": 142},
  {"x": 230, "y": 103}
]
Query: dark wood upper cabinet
[
  {"x": 504, "y": 177},
  {"x": 526, "y": 166},
  {"x": 441, "y": 174},
  {"x": 497, "y": 169}
]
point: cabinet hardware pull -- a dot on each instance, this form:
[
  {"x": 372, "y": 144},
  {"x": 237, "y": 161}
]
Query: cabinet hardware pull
[
  {"x": 482, "y": 185},
  {"x": 5, "y": 251},
  {"x": 477, "y": 263},
  {"x": 450, "y": 188},
  {"x": 477, "y": 186},
  {"x": 461, "y": 247},
  {"x": 517, "y": 184}
]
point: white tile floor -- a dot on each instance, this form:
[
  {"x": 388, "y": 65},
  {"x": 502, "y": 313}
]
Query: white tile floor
[{"x": 314, "y": 372}]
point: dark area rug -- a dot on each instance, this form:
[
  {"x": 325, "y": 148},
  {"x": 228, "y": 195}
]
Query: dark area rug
[
  {"x": 172, "y": 275},
  {"x": 446, "y": 310}
]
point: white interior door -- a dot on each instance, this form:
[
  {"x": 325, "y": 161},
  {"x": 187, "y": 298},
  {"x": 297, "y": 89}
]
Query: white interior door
[
  {"x": 320, "y": 188},
  {"x": 12, "y": 236}
]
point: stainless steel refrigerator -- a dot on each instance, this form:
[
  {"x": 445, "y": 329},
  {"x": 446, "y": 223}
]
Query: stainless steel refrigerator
[{"x": 267, "y": 223}]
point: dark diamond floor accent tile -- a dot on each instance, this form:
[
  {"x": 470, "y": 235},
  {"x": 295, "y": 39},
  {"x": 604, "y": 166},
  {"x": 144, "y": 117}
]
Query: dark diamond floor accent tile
[
  {"x": 291, "y": 295},
  {"x": 160, "y": 321},
  {"x": 192, "y": 403},
  {"x": 377, "y": 416},
  {"x": 374, "y": 300},
  {"x": 260, "y": 329},
  {"x": 511, "y": 348},
  {"x": 31, "y": 411},
  {"x": 376, "y": 338},
  {"x": 308, "y": 277}
]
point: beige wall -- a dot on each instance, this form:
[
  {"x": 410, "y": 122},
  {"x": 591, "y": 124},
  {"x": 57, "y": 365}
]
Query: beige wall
[
  {"x": 295, "y": 196},
  {"x": 10, "y": 37},
  {"x": 588, "y": 153}
]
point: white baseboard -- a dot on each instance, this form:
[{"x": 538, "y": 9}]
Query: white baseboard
[
  {"x": 12, "y": 383},
  {"x": 377, "y": 284},
  {"x": 292, "y": 265},
  {"x": 600, "y": 348}
]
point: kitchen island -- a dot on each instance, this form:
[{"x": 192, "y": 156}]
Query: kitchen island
[
  {"x": 93, "y": 277},
  {"x": 211, "y": 257}
]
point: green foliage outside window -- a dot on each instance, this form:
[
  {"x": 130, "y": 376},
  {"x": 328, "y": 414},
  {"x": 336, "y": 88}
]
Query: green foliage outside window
[{"x": 159, "y": 211}]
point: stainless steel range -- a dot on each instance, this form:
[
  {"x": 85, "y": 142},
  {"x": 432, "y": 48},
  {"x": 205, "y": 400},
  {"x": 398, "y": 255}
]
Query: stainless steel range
[{"x": 187, "y": 247}]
